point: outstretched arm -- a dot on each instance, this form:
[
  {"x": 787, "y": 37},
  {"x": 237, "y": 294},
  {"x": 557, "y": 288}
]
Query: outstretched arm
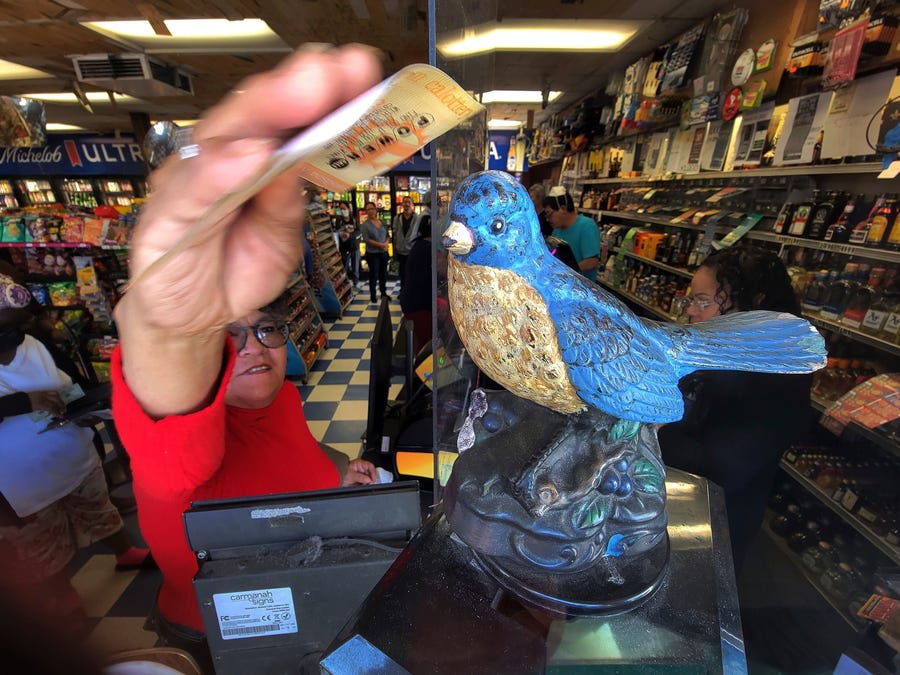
[{"x": 170, "y": 322}]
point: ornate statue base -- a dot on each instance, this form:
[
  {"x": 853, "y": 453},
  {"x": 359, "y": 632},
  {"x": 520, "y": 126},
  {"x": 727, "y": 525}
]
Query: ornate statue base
[{"x": 566, "y": 513}]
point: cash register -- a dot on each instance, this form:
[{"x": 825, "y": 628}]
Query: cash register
[{"x": 280, "y": 575}]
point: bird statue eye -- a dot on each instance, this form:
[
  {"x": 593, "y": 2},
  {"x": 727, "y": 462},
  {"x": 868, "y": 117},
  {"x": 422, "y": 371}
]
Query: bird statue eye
[{"x": 497, "y": 226}]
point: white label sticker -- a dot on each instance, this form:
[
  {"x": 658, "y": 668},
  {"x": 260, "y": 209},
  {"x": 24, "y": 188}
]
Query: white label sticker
[{"x": 255, "y": 613}]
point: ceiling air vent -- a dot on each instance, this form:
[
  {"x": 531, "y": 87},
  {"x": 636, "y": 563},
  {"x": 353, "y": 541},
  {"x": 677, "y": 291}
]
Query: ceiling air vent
[{"x": 134, "y": 74}]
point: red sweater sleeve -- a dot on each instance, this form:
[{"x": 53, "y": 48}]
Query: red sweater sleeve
[{"x": 170, "y": 457}]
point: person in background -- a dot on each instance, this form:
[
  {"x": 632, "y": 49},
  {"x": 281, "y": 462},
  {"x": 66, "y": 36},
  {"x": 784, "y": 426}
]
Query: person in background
[
  {"x": 538, "y": 194},
  {"x": 199, "y": 394},
  {"x": 52, "y": 480},
  {"x": 348, "y": 244},
  {"x": 580, "y": 232},
  {"x": 375, "y": 237},
  {"x": 405, "y": 232},
  {"x": 737, "y": 425},
  {"x": 417, "y": 293}
]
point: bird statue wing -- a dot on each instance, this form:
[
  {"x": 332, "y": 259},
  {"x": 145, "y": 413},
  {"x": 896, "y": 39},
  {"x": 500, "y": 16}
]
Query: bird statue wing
[{"x": 614, "y": 359}]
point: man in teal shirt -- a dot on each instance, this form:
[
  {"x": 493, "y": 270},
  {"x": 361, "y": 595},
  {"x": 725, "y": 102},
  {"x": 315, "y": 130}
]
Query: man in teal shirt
[{"x": 580, "y": 232}]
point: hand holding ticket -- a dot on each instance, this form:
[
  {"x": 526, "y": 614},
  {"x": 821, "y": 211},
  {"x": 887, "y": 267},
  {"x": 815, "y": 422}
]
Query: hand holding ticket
[{"x": 365, "y": 137}]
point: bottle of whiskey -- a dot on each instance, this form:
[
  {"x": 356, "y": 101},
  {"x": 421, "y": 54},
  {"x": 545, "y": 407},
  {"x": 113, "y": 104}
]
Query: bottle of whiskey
[{"x": 801, "y": 219}]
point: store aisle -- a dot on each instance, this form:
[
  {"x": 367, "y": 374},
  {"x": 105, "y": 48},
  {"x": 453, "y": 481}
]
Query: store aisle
[{"x": 335, "y": 404}]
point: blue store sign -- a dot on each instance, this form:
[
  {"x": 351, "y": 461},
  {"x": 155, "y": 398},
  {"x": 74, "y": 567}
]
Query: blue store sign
[
  {"x": 420, "y": 161},
  {"x": 499, "y": 145},
  {"x": 75, "y": 155}
]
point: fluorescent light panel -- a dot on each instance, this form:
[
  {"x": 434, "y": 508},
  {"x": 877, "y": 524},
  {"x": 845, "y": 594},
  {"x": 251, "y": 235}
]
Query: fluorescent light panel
[
  {"x": 92, "y": 96},
  {"x": 527, "y": 35},
  {"x": 58, "y": 126},
  {"x": 194, "y": 35},
  {"x": 503, "y": 124},
  {"x": 15, "y": 71},
  {"x": 516, "y": 96}
]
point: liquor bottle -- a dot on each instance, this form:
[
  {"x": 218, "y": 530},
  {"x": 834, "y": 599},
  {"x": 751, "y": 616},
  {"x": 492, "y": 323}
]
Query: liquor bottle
[
  {"x": 878, "y": 312},
  {"x": 860, "y": 300},
  {"x": 881, "y": 221},
  {"x": 892, "y": 238},
  {"x": 838, "y": 292},
  {"x": 839, "y": 230},
  {"x": 861, "y": 231},
  {"x": 824, "y": 213},
  {"x": 800, "y": 220},
  {"x": 890, "y": 331},
  {"x": 814, "y": 295},
  {"x": 783, "y": 218}
]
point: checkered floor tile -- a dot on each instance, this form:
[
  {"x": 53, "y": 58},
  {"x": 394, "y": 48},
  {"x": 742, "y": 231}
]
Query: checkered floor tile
[{"x": 335, "y": 405}]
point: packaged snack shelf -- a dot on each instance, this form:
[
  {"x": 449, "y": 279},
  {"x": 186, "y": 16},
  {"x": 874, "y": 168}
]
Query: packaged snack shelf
[
  {"x": 306, "y": 333},
  {"x": 332, "y": 289}
]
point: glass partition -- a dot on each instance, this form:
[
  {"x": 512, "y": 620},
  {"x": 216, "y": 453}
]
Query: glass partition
[{"x": 456, "y": 155}]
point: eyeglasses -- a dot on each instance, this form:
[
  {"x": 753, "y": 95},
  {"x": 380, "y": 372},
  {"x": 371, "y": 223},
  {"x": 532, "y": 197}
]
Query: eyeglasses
[
  {"x": 700, "y": 303},
  {"x": 271, "y": 334}
]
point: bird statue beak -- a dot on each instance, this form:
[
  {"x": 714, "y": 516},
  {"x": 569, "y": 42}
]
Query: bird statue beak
[{"x": 458, "y": 238}]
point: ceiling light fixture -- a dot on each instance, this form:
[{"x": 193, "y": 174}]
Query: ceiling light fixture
[
  {"x": 101, "y": 97},
  {"x": 503, "y": 124},
  {"x": 517, "y": 96},
  {"x": 193, "y": 35},
  {"x": 58, "y": 126},
  {"x": 528, "y": 35},
  {"x": 16, "y": 71}
]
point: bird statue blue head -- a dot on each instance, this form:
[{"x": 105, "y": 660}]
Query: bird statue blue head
[{"x": 494, "y": 222}]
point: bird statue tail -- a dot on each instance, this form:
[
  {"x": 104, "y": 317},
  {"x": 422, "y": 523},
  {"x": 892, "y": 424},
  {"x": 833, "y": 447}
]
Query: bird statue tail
[{"x": 758, "y": 341}]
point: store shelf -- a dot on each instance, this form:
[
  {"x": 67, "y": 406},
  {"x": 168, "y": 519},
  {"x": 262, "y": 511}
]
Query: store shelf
[
  {"x": 846, "y": 249},
  {"x": 878, "y": 438},
  {"x": 795, "y": 560},
  {"x": 785, "y": 240},
  {"x": 656, "y": 311},
  {"x": 873, "y": 168},
  {"x": 853, "y": 334},
  {"x": 663, "y": 266},
  {"x": 891, "y": 552},
  {"x": 45, "y": 244}
]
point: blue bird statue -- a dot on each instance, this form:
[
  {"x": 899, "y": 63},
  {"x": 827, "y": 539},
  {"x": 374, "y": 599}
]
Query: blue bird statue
[{"x": 549, "y": 335}]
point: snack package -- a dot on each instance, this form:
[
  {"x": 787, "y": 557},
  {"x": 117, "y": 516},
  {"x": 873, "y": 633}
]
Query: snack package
[
  {"x": 39, "y": 293},
  {"x": 93, "y": 231},
  {"x": 101, "y": 370},
  {"x": 63, "y": 294},
  {"x": 13, "y": 230},
  {"x": 36, "y": 229},
  {"x": 73, "y": 229}
]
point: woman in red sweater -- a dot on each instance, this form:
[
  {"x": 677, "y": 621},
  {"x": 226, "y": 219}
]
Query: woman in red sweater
[{"x": 204, "y": 416}]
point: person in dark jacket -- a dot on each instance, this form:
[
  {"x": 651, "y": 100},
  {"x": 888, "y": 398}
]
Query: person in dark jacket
[
  {"x": 416, "y": 293},
  {"x": 737, "y": 425}
]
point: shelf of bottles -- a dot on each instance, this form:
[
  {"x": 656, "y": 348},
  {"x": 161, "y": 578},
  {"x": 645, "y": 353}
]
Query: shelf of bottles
[
  {"x": 775, "y": 172},
  {"x": 37, "y": 191},
  {"x": 116, "y": 191},
  {"x": 333, "y": 289},
  {"x": 840, "y": 484},
  {"x": 859, "y": 298},
  {"x": 78, "y": 192},
  {"x": 654, "y": 310},
  {"x": 814, "y": 579},
  {"x": 7, "y": 196},
  {"x": 378, "y": 191},
  {"x": 834, "y": 515}
]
